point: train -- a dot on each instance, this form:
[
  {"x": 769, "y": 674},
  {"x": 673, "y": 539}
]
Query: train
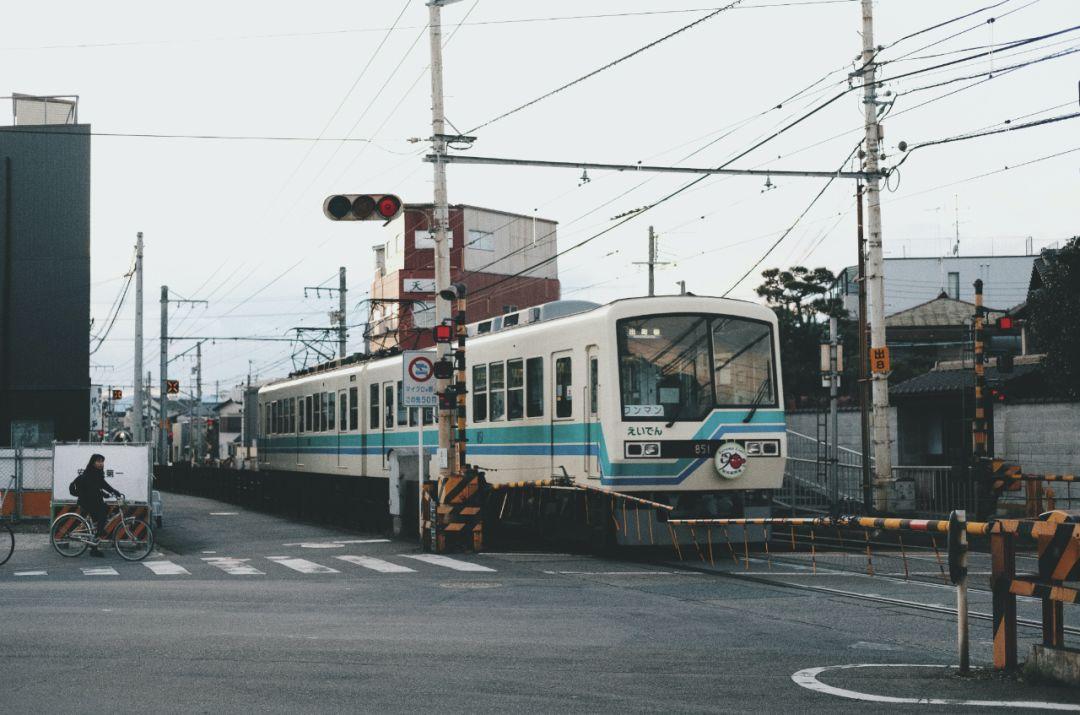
[{"x": 677, "y": 399}]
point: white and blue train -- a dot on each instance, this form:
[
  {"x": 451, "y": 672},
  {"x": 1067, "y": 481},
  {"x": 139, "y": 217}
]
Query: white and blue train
[{"x": 676, "y": 398}]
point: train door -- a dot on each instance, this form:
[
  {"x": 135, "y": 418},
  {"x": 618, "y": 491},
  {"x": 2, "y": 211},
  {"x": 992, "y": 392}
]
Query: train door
[
  {"x": 562, "y": 409},
  {"x": 591, "y": 408},
  {"x": 342, "y": 426}
]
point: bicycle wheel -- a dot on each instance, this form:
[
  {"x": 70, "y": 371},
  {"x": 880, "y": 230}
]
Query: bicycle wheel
[
  {"x": 7, "y": 544},
  {"x": 70, "y": 534},
  {"x": 133, "y": 539}
]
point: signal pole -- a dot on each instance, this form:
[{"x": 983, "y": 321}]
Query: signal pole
[
  {"x": 137, "y": 406},
  {"x": 875, "y": 265},
  {"x": 163, "y": 370},
  {"x": 199, "y": 434},
  {"x": 341, "y": 312},
  {"x": 441, "y": 217}
]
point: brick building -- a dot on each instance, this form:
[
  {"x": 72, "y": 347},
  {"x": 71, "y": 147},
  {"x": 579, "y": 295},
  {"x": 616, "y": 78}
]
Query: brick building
[{"x": 487, "y": 247}]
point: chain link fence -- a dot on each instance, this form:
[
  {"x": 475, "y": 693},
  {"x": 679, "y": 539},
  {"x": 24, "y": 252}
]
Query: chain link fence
[{"x": 26, "y": 477}]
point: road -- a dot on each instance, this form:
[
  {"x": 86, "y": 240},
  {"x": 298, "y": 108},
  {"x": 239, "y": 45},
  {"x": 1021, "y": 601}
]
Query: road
[{"x": 242, "y": 611}]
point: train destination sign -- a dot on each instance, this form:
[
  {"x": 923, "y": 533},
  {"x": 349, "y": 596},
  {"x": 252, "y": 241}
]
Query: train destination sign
[{"x": 418, "y": 379}]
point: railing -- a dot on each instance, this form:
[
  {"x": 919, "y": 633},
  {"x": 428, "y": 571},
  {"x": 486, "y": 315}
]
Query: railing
[{"x": 938, "y": 488}]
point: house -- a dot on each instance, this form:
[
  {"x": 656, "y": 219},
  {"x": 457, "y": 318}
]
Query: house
[{"x": 487, "y": 247}]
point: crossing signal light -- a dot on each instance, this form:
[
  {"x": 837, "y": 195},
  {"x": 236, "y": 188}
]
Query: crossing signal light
[
  {"x": 1005, "y": 322},
  {"x": 443, "y": 333},
  {"x": 362, "y": 207},
  {"x": 117, "y": 394},
  {"x": 172, "y": 387}
]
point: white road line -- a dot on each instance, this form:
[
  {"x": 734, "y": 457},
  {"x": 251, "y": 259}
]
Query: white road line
[
  {"x": 302, "y": 565},
  {"x": 99, "y": 571},
  {"x": 807, "y": 678},
  {"x": 335, "y": 543},
  {"x": 625, "y": 573},
  {"x": 166, "y": 568},
  {"x": 374, "y": 564},
  {"x": 447, "y": 562},
  {"x": 224, "y": 513},
  {"x": 233, "y": 567},
  {"x": 31, "y": 573}
]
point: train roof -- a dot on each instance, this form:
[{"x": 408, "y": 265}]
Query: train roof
[{"x": 497, "y": 325}]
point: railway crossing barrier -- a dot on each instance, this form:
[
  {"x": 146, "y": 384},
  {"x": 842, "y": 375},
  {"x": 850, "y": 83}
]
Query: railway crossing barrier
[{"x": 1056, "y": 537}]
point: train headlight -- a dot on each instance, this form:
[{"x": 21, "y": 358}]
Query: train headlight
[{"x": 730, "y": 460}]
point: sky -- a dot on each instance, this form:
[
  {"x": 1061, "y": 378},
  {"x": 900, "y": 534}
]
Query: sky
[{"x": 238, "y": 222}]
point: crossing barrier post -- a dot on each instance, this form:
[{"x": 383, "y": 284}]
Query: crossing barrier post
[
  {"x": 1002, "y": 573},
  {"x": 958, "y": 568}
]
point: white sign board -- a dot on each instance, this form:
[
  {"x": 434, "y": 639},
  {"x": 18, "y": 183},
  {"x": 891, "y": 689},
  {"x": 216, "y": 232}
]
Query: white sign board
[
  {"x": 127, "y": 468},
  {"x": 418, "y": 379},
  {"x": 419, "y": 285}
]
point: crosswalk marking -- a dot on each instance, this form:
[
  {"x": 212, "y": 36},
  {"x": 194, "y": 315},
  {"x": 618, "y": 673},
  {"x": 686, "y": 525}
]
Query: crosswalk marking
[
  {"x": 233, "y": 567},
  {"x": 447, "y": 562},
  {"x": 100, "y": 571},
  {"x": 302, "y": 565},
  {"x": 31, "y": 573},
  {"x": 166, "y": 568},
  {"x": 374, "y": 564}
]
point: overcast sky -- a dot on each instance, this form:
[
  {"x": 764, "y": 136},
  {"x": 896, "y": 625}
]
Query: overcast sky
[{"x": 224, "y": 218}]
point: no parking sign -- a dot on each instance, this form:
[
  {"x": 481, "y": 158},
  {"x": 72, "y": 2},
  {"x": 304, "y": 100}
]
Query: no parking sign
[{"x": 418, "y": 379}]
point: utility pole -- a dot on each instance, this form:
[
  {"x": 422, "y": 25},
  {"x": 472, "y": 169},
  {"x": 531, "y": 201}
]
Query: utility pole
[
  {"x": 682, "y": 287},
  {"x": 163, "y": 398},
  {"x": 875, "y": 264},
  {"x": 341, "y": 312},
  {"x": 198, "y": 436},
  {"x": 138, "y": 433},
  {"x": 144, "y": 416},
  {"x": 652, "y": 262},
  {"x": 441, "y": 218},
  {"x": 834, "y": 447},
  {"x": 864, "y": 387}
]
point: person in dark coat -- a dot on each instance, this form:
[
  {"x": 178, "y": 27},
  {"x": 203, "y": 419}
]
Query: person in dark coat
[{"x": 91, "y": 488}]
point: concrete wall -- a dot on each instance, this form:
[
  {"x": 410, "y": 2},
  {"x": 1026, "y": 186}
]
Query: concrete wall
[
  {"x": 1041, "y": 437},
  {"x": 848, "y": 424}
]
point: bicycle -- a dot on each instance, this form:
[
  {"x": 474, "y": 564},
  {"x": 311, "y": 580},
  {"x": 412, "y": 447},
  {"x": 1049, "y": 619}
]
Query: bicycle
[
  {"x": 72, "y": 533},
  {"x": 7, "y": 542}
]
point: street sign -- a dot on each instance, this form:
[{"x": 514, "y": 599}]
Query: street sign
[
  {"x": 879, "y": 359},
  {"x": 418, "y": 379},
  {"x": 172, "y": 387}
]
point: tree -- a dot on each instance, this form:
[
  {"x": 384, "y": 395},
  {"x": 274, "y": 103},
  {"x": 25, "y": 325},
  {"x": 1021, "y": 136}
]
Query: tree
[
  {"x": 799, "y": 297},
  {"x": 1055, "y": 317}
]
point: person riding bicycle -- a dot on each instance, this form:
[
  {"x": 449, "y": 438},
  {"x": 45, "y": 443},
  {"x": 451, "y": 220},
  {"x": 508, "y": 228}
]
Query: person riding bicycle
[{"x": 91, "y": 488}]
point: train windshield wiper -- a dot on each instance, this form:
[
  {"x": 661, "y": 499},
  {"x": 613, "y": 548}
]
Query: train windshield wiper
[{"x": 758, "y": 399}]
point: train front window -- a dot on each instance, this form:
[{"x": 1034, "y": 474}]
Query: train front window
[
  {"x": 742, "y": 353},
  {"x": 679, "y": 367},
  {"x": 664, "y": 368}
]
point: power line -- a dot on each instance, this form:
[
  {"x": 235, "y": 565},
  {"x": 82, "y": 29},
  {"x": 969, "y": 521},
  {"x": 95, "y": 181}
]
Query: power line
[{"x": 609, "y": 65}]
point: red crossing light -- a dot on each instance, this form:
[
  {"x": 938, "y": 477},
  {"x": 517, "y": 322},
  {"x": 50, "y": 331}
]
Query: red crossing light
[
  {"x": 1005, "y": 322},
  {"x": 443, "y": 333}
]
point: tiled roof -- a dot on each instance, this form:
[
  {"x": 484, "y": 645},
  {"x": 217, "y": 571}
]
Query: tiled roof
[
  {"x": 939, "y": 311},
  {"x": 945, "y": 381}
]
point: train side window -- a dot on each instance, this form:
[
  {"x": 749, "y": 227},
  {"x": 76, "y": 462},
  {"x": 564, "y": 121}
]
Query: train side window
[
  {"x": 479, "y": 390},
  {"x": 343, "y": 412},
  {"x": 266, "y": 419},
  {"x": 534, "y": 387},
  {"x": 564, "y": 396},
  {"x": 300, "y": 423},
  {"x": 318, "y": 412},
  {"x": 354, "y": 408},
  {"x": 292, "y": 415},
  {"x": 515, "y": 389},
  {"x": 331, "y": 398},
  {"x": 496, "y": 390},
  {"x": 388, "y": 406},
  {"x": 373, "y": 407},
  {"x": 307, "y": 411},
  {"x": 273, "y": 417},
  {"x": 594, "y": 376},
  {"x": 402, "y": 412},
  {"x": 429, "y": 415}
]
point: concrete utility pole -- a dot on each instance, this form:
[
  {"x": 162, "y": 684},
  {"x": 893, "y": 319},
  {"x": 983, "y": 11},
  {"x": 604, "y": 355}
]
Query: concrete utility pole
[
  {"x": 652, "y": 262},
  {"x": 341, "y": 312},
  {"x": 137, "y": 431},
  {"x": 150, "y": 436},
  {"x": 875, "y": 265},
  {"x": 834, "y": 427},
  {"x": 864, "y": 357},
  {"x": 198, "y": 436},
  {"x": 441, "y": 217},
  {"x": 163, "y": 398}
]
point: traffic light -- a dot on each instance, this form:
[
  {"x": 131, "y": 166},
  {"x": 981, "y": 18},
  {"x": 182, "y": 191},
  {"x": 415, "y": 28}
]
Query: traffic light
[{"x": 361, "y": 207}]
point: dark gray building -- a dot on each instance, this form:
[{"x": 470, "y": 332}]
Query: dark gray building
[{"x": 44, "y": 283}]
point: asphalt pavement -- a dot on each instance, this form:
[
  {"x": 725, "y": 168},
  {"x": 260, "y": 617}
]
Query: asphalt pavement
[{"x": 246, "y": 612}]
